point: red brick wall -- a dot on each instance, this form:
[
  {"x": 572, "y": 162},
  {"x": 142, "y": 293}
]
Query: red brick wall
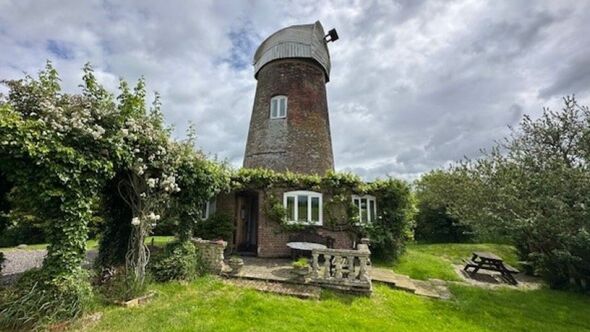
[
  {"x": 272, "y": 238},
  {"x": 301, "y": 143}
]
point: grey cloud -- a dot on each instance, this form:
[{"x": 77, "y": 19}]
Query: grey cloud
[{"x": 415, "y": 84}]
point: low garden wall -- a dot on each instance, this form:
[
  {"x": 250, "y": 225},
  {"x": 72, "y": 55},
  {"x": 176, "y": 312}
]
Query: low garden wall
[{"x": 211, "y": 253}]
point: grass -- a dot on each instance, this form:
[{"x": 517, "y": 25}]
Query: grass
[
  {"x": 424, "y": 261},
  {"x": 210, "y": 305},
  {"x": 92, "y": 244}
]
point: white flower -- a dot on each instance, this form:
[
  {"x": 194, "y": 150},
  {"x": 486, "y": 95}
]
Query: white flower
[
  {"x": 153, "y": 217},
  {"x": 135, "y": 221},
  {"x": 151, "y": 182}
]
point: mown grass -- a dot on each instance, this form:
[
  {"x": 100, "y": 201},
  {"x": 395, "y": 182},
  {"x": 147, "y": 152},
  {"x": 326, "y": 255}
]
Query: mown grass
[
  {"x": 92, "y": 244},
  {"x": 424, "y": 261},
  {"x": 210, "y": 305}
]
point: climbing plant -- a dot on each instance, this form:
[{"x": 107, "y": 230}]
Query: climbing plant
[
  {"x": 388, "y": 233},
  {"x": 67, "y": 154},
  {"x": 58, "y": 149}
]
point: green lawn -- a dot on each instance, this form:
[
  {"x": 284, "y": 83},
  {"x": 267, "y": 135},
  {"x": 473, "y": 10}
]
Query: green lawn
[
  {"x": 209, "y": 305},
  {"x": 93, "y": 244},
  {"x": 423, "y": 261}
]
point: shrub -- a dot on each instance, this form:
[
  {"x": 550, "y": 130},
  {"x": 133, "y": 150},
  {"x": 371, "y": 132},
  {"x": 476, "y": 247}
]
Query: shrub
[
  {"x": 116, "y": 285},
  {"x": 301, "y": 263},
  {"x": 40, "y": 299},
  {"x": 434, "y": 223},
  {"x": 393, "y": 225},
  {"x": 218, "y": 226},
  {"x": 178, "y": 261}
]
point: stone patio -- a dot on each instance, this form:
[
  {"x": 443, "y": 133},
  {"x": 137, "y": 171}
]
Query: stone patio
[{"x": 264, "y": 274}]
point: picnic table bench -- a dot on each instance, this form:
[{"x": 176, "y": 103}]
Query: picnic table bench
[{"x": 491, "y": 262}]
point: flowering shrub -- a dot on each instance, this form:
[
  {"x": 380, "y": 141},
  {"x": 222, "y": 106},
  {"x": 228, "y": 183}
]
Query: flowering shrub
[
  {"x": 62, "y": 151},
  {"x": 58, "y": 149}
]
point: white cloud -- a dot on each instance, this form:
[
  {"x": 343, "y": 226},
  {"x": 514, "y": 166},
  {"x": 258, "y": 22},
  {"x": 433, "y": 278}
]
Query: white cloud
[{"x": 414, "y": 86}]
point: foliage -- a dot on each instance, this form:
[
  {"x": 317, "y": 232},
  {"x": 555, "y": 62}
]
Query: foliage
[
  {"x": 200, "y": 179},
  {"x": 535, "y": 188},
  {"x": 433, "y": 222},
  {"x": 301, "y": 263},
  {"x": 57, "y": 149},
  {"x": 117, "y": 285},
  {"x": 178, "y": 261},
  {"x": 38, "y": 301},
  {"x": 218, "y": 226},
  {"x": 21, "y": 228},
  {"x": 388, "y": 233},
  {"x": 208, "y": 304},
  {"x": 2, "y": 261},
  {"x": 393, "y": 226},
  {"x": 116, "y": 230}
]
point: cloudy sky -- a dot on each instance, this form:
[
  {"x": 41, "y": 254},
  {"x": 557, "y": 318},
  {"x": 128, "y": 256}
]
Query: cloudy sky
[{"x": 414, "y": 85}]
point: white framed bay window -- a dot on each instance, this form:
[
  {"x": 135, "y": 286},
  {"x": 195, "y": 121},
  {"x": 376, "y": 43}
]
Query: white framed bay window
[
  {"x": 278, "y": 107},
  {"x": 367, "y": 207},
  {"x": 303, "y": 207}
]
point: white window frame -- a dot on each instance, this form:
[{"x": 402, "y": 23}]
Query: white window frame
[
  {"x": 310, "y": 195},
  {"x": 278, "y": 99},
  {"x": 369, "y": 198},
  {"x": 210, "y": 208}
]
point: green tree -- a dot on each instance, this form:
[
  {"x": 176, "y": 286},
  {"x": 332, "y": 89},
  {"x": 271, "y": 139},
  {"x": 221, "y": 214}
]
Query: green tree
[
  {"x": 434, "y": 223},
  {"x": 534, "y": 187}
]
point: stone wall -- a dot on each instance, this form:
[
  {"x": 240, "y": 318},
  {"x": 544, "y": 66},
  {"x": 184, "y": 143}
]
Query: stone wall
[{"x": 212, "y": 254}]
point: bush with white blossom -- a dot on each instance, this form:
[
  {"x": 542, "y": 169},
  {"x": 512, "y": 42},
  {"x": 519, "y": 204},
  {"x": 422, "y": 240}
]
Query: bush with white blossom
[{"x": 64, "y": 151}]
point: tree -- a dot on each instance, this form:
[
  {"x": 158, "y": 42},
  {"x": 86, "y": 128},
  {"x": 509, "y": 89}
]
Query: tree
[
  {"x": 434, "y": 223},
  {"x": 534, "y": 187}
]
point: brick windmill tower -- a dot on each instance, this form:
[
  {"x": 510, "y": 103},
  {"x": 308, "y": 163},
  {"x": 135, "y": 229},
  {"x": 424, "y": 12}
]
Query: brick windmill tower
[{"x": 290, "y": 126}]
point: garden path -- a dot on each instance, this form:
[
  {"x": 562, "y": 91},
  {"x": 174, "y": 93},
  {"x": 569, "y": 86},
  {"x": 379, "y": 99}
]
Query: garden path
[
  {"x": 21, "y": 260},
  {"x": 433, "y": 288}
]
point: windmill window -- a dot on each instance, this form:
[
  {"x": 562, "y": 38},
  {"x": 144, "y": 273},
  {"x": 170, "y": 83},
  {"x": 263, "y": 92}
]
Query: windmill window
[{"x": 278, "y": 107}]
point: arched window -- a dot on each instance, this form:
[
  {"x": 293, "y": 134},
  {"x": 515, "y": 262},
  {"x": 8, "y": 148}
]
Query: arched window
[
  {"x": 303, "y": 207},
  {"x": 367, "y": 206},
  {"x": 278, "y": 107}
]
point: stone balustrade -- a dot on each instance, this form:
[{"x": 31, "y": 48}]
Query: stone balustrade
[{"x": 343, "y": 269}]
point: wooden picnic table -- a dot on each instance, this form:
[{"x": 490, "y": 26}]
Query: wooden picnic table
[{"x": 489, "y": 261}]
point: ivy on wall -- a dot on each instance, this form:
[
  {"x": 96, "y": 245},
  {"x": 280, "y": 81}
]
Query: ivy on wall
[{"x": 388, "y": 233}]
